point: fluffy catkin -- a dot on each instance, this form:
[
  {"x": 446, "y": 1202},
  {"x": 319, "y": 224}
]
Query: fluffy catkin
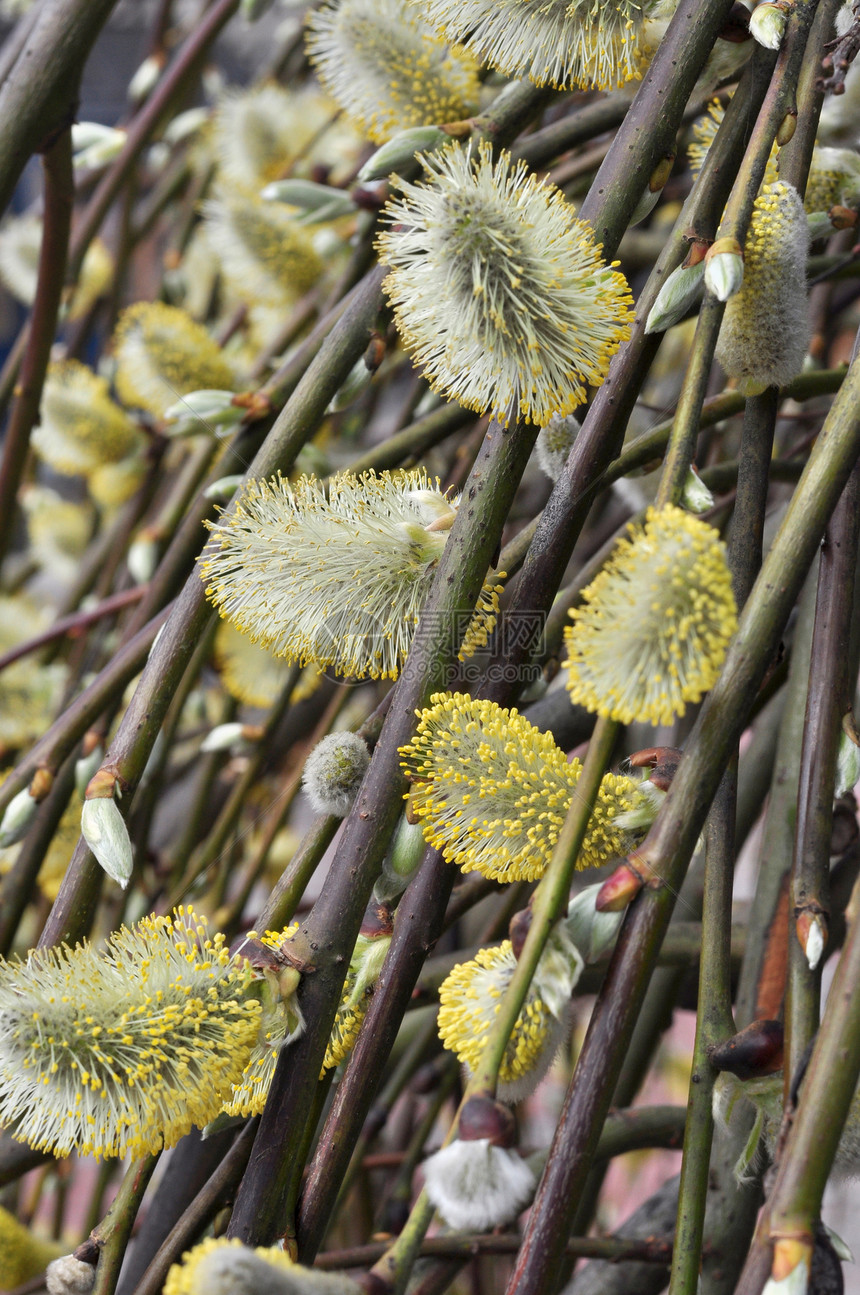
[{"x": 765, "y": 333}]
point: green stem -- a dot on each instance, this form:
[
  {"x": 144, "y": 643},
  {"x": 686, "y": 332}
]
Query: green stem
[{"x": 113, "y": 1233}]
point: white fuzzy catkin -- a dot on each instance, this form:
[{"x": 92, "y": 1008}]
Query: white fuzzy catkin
[
  {"x": 765, "y": 333},
  {"x": 476, "y": 1186},
  {"x": 69, "y": 1276},
  {"x": 334, "y": 771}
]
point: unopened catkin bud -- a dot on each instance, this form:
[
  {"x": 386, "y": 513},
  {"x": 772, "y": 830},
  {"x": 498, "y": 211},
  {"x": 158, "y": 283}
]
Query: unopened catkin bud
[
  {"x": 765, "y": 333},
  {"x": 316, "y": 202},
  {"x": 724, "y": 268},
  {"x": 104, "y": 830},
  {"x": 334, "y": 771},
  {"x": 767, "y": 24},
  {"x": 16, "y": 821},
  {"x": 69, "y": 1276}
]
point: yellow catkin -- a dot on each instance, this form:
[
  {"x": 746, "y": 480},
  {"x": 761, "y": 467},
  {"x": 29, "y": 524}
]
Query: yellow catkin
[
  {"x": 163, "y": 354},
  {"x": 492, "y": 791},
  {"x": 654, "y": 625},
  {"x": 123, "y": 1050}
]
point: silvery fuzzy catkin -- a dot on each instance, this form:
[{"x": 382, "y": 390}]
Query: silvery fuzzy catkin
[{"x": 765, "y": 333}]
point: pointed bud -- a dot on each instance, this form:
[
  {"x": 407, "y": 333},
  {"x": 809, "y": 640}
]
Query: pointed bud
[
  {"x": 185, "y": 125},
  {"x": 592, "y": 932},
  {"x": 847, "y": 765},
  {"x": 767, "y": 24},
  {"x": 811, "y": 930},
  {"x": 724, "y": 268},
  {"x": 402, "y": 860},
  {"x": 203, "y": 411},
  {"x": 647, "y": 202},
  {"x": 787, "y": 127},
  {"x": 401, "y": 149},
  {"x": 16, "y": 821},
  {"x": 792, "y": 1257},
  {"x": 142, "y": 557},
  {"x": 104, "y": 830},
  {"x": 145, "y": 79},
  {"x": 316, "y": 202},
  {"x": 753, "y": 1052},
  {"x": 682, "y": 289},
  {"x": 224, "y": 488},
  {"x": 95, "y": 146},
  {"x": 696, "y": 496},
  {"x": 840, "y": 1246},
  {"x": 622, "y": 886}
]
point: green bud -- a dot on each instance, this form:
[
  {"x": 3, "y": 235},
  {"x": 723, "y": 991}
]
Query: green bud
[
  {"x": 357, "y": 380},
  {"x": 251, "y": 10},
  {"x": 20, "y": 813},
  {"x": 223, "y": 488},
  {"x": 203, "y": 411},
  {"x": 145, "y": 79},
  {"x": 104, "y": 830},
  {"x": 682, "y": 289},
  {"x": 696, "y": 496},
  {"x": 86, "y": 767},
  {"x": 142, "y": 558},
  {"x": 847, "y": 765},
  {"x": 401, "y": 149},
  {"x": 593, "y": 933},
  {"x": 318, "y": 202}
]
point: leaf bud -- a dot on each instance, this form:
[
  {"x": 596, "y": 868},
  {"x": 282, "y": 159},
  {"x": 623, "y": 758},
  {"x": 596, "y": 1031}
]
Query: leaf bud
[
  {"x": 682, "y": 289},
  {"x": 787, "y": 127}
]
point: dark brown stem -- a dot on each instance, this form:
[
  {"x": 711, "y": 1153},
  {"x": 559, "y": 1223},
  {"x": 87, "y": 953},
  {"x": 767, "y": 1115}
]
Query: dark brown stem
[
  {"x": 656, "y": 1250},
  {"x": 59, "y": 196},
  {"x": 72, "y": 625},
  {"x": 38, "y": 96},
  {"x": 829, "y": 696},
  {"x": 187, "y": 61}
]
